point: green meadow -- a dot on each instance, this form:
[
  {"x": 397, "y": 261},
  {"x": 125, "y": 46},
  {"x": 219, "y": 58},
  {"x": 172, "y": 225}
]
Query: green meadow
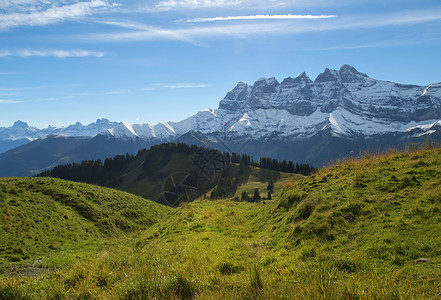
[{"x": 366, "y": 228}]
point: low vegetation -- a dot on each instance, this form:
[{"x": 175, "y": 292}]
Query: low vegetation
[
  {"x": 207, "y": 169},
  {"x": 45, "y": 215},
  {"x": 361, "y": 229}
]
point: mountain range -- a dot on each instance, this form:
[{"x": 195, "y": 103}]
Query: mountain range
[
  {"x": 342, "y": 112},
  {"x": 21, "y": 133}
]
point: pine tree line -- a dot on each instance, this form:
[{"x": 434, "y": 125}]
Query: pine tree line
[
  {"x": 285, "y": 166},
  {"x": 108, "y": 172}
]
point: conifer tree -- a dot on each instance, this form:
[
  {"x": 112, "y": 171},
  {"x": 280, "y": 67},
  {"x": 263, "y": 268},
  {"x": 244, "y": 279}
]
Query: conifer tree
[
  {"x": 245, "y": 197},
  {"x": 269, "y": 196},
  {"x": 256, "y": 196}
]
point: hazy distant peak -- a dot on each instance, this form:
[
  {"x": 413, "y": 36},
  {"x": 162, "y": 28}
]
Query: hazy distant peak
[{"x": 20, "y": 124}]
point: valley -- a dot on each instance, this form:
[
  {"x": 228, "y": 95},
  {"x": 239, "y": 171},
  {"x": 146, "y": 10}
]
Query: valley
[
  {"x": 363, "y": 228},
  {"x": 220, "y": 149},
  {"x": 340, "y": 113}
]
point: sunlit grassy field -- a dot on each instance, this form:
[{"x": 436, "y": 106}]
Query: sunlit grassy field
[{"x": 363, "y": 228}]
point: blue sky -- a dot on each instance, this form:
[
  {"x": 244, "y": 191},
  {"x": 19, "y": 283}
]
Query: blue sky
[{"x": 164, "y": 60}]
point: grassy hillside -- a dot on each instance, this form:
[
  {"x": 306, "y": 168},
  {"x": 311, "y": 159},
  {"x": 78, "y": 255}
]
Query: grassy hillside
[
  {"x": 361, "y": 229},
  {"x": 382, "y": 207},
  {"x": 147, "y": 173},
  {"x": 46, "y": 215}
]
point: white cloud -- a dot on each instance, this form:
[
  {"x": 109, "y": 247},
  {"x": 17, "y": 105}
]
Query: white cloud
[
  {"x": 185, "y": 86},
  {"x": 190, "y": 34},
  {"x": 261, "y": 17},
  {"x": 8, "y": 3},
  {"x": 166, "y": 5},
  {"x": 4, "y": 101},
  {"x": 142, "y": 32},
  {"x": 51, "y": 53},
  {"x": 382, "y": 44},
  {"x": 42, "y": 15},
  {"x": 147, "y": 33},
  {"x": 176, "y": 86},
  {"x": 10, "y": 94}
]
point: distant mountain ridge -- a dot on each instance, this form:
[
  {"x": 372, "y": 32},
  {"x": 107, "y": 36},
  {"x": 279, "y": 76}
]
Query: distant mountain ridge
[
  {"x": 21, "y": 133},
  {"x": 342, "y": 112},
  {"x": 299, "y": 116},
  {"x": 347, "y": 101}
]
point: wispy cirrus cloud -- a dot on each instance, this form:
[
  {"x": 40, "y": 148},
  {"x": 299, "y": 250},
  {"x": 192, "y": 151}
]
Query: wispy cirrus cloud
[
  {"x": 383, "y": 43},
  {"x": 7, "y": 101},
  {"x": 184, "y": 86},
  {"x": 190, "y": 34},
  {"x": 277, "y": 26},
  {"x": 166, "y": 5},
  {"x": 10, "y": 94},
  {"x": 139, "y": 32},
  {"x": 39, "y": 15},
  {"x": 176, "y": 86},
  {"x": 17, "y": 3},
  {"x": 261, "y": 17},
  {"x": 50, "y": 53}
]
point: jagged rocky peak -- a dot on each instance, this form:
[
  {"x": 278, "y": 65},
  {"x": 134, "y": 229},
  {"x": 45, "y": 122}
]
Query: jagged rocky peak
[
  {"x": 233, "y": 99},
  {"x": 239, "y": 92},
  {"x": 20, "y": 124},
  {"x": 348, "y": 69},
  {"x": 302, "y": 79},
  {"x": 102, "y": 121},
  {"x": 328, "y": 76},
  {"x": 346, "y": 74},
  {"x": 350, "y": 74},
  {"x": 265, "y": 85}
]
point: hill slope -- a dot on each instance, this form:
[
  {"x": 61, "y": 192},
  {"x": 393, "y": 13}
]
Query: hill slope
[
  {"x": 40, "y": 215},
  {"x": 33, "y": 157},
  {"x": 192, "y": 171},
  {"x": 384, "y": 208},
  {"x": 362, "y": 229}
]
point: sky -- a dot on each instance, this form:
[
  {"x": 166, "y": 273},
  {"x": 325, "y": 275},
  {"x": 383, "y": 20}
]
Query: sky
[{"x": 148, "y": 61}]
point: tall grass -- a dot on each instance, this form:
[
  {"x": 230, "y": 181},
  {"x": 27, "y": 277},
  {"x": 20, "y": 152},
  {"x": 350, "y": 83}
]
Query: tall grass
[{"x": 352, "y": 231}]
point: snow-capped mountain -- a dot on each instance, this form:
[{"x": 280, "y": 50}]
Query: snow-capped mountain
[
  {"x": 346, "y": 101},
  {"x": 21, "y": 133},
  {"x": 156, "y": 133},
  {"x": 342, "y": 112},
  {"x": 23, "y": 130}
]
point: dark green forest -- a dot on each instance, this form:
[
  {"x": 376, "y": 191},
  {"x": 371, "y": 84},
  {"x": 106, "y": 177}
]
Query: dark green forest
[{"x": 209, "y": 168}]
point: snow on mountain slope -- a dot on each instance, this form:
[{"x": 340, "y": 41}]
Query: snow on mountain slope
[
  {"x": 123, "y": 131},
  {"x": 161, "y": 131},
  {"x": 22, "y": 130},
  {"x": 21, "y": 133},
  {"x": 347, "y": 101}
]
